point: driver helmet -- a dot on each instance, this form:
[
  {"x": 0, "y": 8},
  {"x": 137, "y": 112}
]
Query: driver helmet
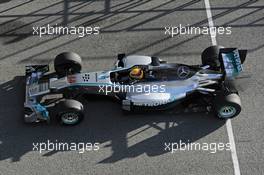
[{"x": 136, "y": 73}]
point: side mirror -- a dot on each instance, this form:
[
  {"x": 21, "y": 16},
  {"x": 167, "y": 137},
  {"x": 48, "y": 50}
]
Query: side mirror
[{"x": 121, "y": 56}]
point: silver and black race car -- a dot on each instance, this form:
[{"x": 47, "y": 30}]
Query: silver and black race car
[{"x": 140, "y": 83}]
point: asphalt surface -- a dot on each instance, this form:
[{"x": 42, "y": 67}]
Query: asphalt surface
[{"x": 128, "y": 144}]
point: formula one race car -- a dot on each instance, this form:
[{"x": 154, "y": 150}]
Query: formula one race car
[{"x": 140, "y": 83}]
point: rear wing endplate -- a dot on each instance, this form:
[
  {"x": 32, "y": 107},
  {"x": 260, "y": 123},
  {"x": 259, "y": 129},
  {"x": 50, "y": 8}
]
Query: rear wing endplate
[{"x": 231, "y": 60}]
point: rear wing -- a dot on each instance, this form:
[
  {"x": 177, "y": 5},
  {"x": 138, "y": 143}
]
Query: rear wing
[{"x": 231, "y": 60}]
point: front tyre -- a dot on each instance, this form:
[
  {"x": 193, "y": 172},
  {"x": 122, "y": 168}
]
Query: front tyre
[
  {"x": 227, "y": 106},
  {"x": 70, "y": 112},
  {"x": 67, "y": 63}
]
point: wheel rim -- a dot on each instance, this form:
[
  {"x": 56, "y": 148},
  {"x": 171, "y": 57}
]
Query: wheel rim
[
  {"x": 70, "y": 118},
  {"x": 227, "y": 112}
]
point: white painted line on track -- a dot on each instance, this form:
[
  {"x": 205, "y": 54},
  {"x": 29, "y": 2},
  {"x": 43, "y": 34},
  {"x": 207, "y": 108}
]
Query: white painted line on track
[
  {"x": 210, "y": 21},
  {"x": 233, "y": 147},
  {"x": 228, "y": 122}
]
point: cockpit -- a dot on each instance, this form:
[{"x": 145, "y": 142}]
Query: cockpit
[{"x": 163, "y": 72}]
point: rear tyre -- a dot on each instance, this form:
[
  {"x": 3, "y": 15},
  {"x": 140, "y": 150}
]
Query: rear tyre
[
  {"x": 67, "y": 63},
  {"x": 70, "y": 112},
  {"x": 210, "y": 56},
  {"x": 227, "y": 106}
]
